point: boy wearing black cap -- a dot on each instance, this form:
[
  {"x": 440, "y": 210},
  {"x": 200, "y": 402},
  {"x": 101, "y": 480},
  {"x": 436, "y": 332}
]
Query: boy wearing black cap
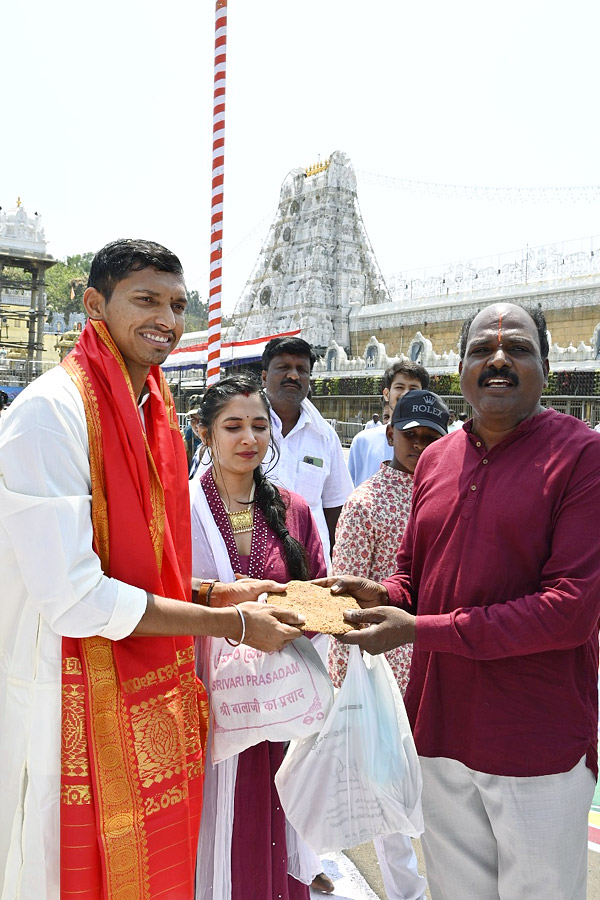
[
  {"x": 368, "y": 534},
  {"x": 419, "y": 419}
]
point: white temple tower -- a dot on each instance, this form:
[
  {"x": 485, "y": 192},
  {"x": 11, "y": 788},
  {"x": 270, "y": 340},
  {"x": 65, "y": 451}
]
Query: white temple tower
[
  {"x": 23, "y": 300},
  {"x": 316, "y": 264}
]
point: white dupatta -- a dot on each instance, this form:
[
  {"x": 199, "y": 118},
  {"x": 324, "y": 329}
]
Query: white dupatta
[
  {"x": 213, "y": 862},
  {"x": 210, "y": 559}
]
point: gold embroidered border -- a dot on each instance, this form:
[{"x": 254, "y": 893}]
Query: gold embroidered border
[
  {"x": 186, "y": 655},
  {"x": 167, "y": 396},
  {"x": 157, "y": 726},
  {"x": 92, "y": 415},
  {"x": 120, "y": 805},
  {"x": 71, "y": 665},
  {"x": 195, "y": 706},
  {"x": 74, "y": 758},
  {"x": 189, "y": 699},
  {"x": 76, "y": 794},
  {"x": 105, "y": 336},
  {"x": 157, "y": 499}
]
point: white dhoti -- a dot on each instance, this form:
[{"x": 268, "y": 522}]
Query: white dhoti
[{"x": 495, "y": 837}]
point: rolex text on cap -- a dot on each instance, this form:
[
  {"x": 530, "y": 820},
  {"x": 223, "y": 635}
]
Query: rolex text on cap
[{"x": 421, "y": 408}]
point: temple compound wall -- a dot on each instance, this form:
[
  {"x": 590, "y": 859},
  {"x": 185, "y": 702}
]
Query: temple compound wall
[
  {"x": 572, "y": 315},
  {"x": 423, "y": 318}
]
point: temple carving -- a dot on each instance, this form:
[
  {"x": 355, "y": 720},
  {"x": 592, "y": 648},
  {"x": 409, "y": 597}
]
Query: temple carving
[{"x": 316, "y": 264}]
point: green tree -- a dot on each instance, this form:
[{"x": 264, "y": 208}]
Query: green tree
[
  {"x": 196, "y": 314},
  {"x": 66, "y": 283},
  {"x": 13, "y": 279},
  {"x": 81, "y": 261}
]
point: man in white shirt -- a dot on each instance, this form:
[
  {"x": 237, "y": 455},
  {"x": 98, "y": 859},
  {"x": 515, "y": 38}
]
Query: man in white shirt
[
  {"x": 96, "y": 570},
  {"x": 374, "y": 423},
  {"x": 311, "y": 461},
  {"x": 460, "y": 421},
  {"x": 370, "y": 448}
]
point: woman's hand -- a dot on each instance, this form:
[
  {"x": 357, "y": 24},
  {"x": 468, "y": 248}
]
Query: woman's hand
[
  {"x": 243, "y": 589},
  {"x": 366, "y": 593},
  {"x": 388, "y": 628}
]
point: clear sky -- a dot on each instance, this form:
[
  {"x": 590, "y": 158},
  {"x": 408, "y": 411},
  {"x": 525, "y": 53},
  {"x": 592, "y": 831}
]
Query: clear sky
[{"x": 107, "y": 121}]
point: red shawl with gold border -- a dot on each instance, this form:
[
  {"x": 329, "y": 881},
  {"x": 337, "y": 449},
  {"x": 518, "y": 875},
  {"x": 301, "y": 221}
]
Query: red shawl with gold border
[{"x": 134, "y": 715}]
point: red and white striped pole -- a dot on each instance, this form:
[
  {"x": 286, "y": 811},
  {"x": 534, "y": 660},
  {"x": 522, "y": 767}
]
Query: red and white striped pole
[{"x": 216, "y": 221}]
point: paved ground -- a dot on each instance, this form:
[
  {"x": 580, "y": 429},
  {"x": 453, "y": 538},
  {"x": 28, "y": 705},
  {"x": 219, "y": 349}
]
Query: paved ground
[
  {"x": 364, "y": 882},
  {"x": 349, "y": 882}
]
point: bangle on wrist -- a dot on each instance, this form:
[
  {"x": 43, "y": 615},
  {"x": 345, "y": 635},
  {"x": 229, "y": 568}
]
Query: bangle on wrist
[{"x": 242, "y": 617}]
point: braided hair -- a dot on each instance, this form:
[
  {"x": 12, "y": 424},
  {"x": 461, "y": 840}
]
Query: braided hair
[{"x": 266, "y": 495}]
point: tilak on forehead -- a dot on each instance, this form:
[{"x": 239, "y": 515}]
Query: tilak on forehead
[{"x": 500, "y": 329}]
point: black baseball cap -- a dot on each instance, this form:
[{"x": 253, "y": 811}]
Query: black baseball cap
[{"x": 421, "y": 408}]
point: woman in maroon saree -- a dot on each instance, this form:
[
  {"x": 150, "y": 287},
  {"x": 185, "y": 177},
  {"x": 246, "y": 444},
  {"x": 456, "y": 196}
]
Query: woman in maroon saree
[{"x": 268, "y": 533}]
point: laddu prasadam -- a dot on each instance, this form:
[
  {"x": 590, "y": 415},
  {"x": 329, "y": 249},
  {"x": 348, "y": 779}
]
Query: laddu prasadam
[{"x": 324, "y": 611}]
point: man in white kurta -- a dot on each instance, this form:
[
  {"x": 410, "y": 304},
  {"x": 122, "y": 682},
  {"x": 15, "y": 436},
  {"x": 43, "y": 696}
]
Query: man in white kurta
[
  {"x": 311, "y": 460},
  {"x": 324, "y": 486},
  {"x": 367, "y": 451},
  {"x": 52, "y": 584}
]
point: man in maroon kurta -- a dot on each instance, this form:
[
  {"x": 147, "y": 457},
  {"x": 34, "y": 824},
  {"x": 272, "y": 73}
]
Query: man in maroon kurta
[{"x": 498, "y": 586}]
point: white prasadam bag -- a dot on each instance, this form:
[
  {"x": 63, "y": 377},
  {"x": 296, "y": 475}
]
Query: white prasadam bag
[
  {"x": 258, "y": 696},
  {"x": 254, "y": 696},
  {"x": 359, "y": 776}
]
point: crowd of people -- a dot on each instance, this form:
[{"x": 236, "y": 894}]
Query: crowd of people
[{"x": 470, "y": 545}]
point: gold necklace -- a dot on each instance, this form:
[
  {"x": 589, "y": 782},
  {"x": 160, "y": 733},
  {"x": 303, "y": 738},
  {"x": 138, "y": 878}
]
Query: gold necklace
[{"x": 242, "y": 520}]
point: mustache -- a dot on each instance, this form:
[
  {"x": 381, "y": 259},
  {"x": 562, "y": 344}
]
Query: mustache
[
  {"x": 292, "y": 383},
  {"x": 498, "y": 373}
]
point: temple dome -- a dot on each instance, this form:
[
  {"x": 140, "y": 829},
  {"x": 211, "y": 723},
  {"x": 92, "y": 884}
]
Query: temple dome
[{"x": 21, "y": 231}]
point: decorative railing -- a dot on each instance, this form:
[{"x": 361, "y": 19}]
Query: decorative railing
[
  {"x": 586, "y": 383},
  {"x": 530, "y": 266}
]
